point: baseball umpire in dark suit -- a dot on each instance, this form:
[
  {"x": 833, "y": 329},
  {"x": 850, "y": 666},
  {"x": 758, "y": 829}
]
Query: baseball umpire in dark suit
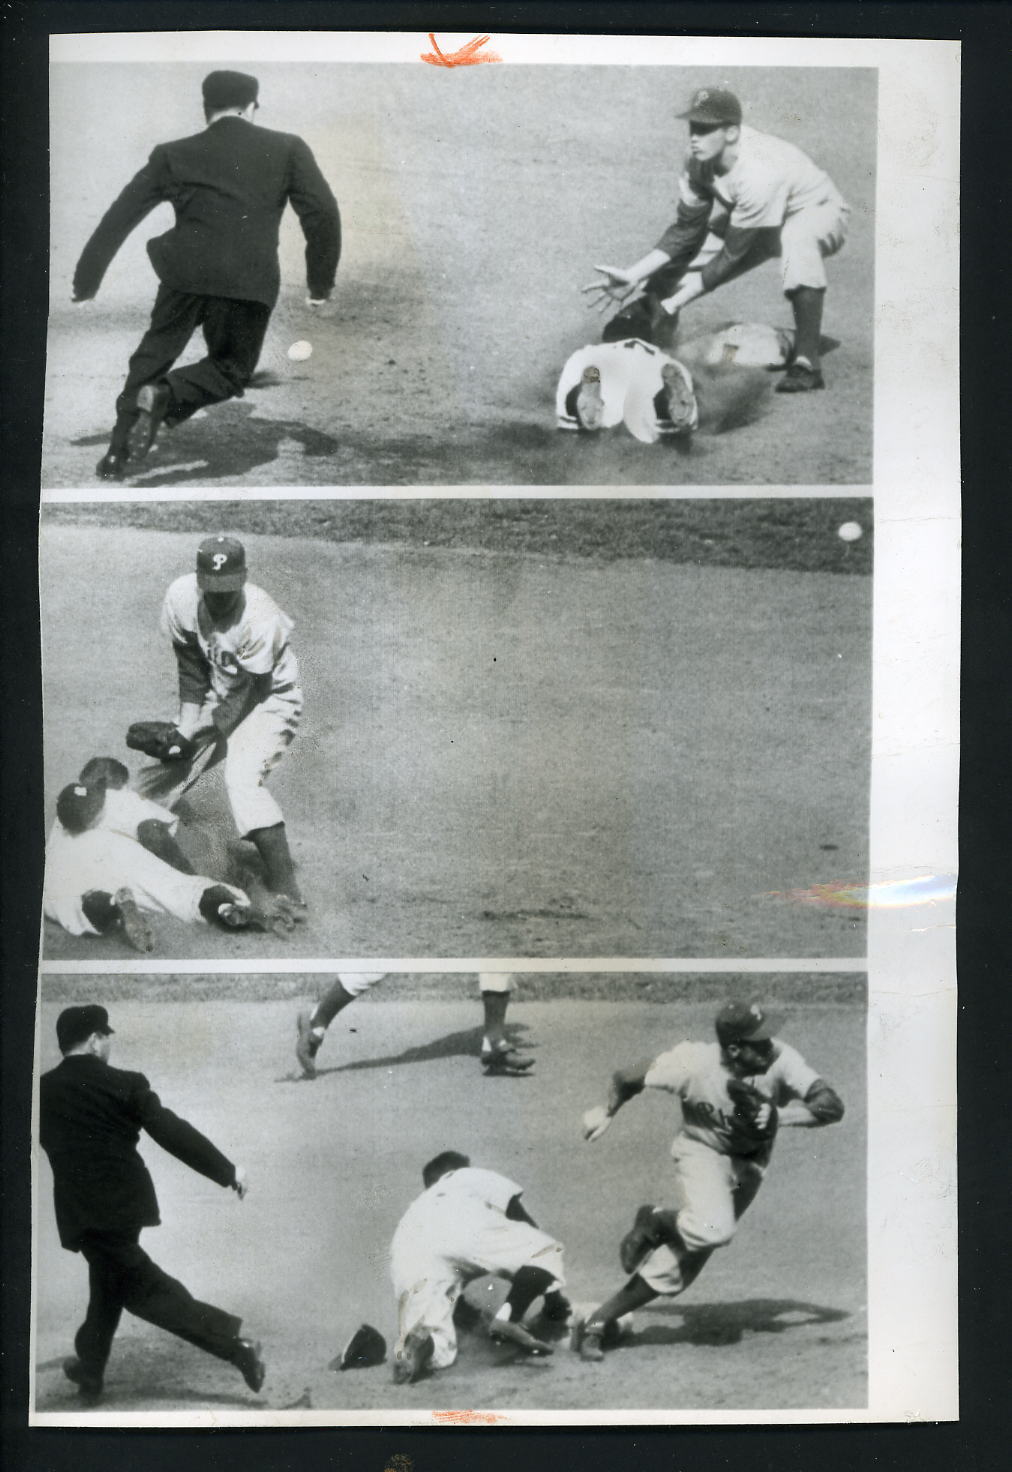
[
  {"x": 90, "y": 1119},
  {"x": 217, "y": 266}
]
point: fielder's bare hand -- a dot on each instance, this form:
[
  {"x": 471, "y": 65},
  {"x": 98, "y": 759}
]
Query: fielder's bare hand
[
  {"x": 617, "y": 287},
  {"x": 241, "y": 1183}
]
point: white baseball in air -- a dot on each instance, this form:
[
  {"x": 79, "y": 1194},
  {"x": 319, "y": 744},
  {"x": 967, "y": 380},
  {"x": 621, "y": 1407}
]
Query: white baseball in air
[
  {"x": 300, "y": 351},
  {"x": 849, "y": 532}
]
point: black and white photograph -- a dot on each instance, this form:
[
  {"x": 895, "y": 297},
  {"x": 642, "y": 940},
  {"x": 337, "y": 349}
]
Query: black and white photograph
[
  {"x": 431, "y": 1218},
  {"x": 457, "y": 728},
  {"x": 376, "y": 274},
  {"x": 499, "y": 584}
]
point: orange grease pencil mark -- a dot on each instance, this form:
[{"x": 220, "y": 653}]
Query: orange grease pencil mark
[
  {"x": 466, "y": 56},
  {"x": 467, "y": 1418}
]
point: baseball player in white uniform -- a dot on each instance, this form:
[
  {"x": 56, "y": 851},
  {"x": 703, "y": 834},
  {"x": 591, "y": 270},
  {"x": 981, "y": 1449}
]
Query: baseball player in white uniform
[
  {"x": 743, "y": 197},
  {"x": 498, "y": 1055},
  {"x": 238, "y": 687},
  {"x": 466, "y": 1223},
  {"x": 734, "y": 1094},
  {"x": 630, "y": 382},
  {"x": 100, "y": 877}
]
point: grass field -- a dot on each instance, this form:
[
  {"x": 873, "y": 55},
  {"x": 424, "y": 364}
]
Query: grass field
[
  {"x": 475, "y": 204},
  {"x": 581, "y": 728},
  {"x": 777, "y": 1320}
]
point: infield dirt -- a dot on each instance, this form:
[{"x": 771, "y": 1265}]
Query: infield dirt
[
  {"x": 777, "y": 1319},
  {"x": 514, "y": 744},
  {"x": 475, "y": 204}
]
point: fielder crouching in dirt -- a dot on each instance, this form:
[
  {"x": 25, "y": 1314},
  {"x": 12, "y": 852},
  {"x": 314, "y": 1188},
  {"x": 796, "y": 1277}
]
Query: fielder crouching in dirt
[
  {"x": 734, "y": 1094},
  {"x": 239, "y": 692},
  {"x": 468, "y": 1223},
  {"x": 90, "y": 1119},
  {"x": 743, "y": 197}
]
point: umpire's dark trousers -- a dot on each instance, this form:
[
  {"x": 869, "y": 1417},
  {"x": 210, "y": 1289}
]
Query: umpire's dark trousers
[
  {"x": 234, "y": 333},
  {"x": 122, "y": 1276}
]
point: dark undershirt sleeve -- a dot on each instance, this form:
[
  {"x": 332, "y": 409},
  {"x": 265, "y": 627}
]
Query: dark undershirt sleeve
[
  {"x": 824, "y": 1102},
  {"x": 194, "y": 676},
  {"x": 683, "y": 239},
  {"x": 737, "y": 245}
]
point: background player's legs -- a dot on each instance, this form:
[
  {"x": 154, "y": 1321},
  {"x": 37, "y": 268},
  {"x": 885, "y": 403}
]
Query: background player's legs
[
  {"x": 498, "y": 1055},
  {"x": 234, "y": 333},
  {"x": 312, "y": 1024}
]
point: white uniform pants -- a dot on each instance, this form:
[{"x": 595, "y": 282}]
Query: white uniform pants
[
  {"x": 429, "y": 1280},
  {"x": 98, "y": 860},
  {"x": 253, "y": 750},
  {"x": 713, "y": 1190},
  {"x": 802, "y": 244}
]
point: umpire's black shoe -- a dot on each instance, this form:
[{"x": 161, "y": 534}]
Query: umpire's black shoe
[
  {"x": 249, "y": 1362},
  {"x": 153, "y": 402},
  {"x": 88, "y": 1382},
  {"x": 113, "y": 464},
  {"x": 800, "y": 378}
]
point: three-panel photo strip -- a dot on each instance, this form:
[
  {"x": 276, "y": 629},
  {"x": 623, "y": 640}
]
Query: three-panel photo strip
[{"x": 499, "y": 585}]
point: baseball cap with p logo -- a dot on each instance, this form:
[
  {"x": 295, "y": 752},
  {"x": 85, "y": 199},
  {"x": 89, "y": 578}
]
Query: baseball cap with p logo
[
  {"x": 713, "y": 106},
  {"x": 76, "y": 1024},
  {"x": 221, "y": 565}
]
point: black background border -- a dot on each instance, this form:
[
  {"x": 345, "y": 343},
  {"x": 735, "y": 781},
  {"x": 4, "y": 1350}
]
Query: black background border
[{"x": 980, "y": 1438}]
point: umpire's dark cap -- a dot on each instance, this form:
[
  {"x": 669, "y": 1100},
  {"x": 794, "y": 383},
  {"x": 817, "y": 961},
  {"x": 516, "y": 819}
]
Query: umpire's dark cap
[
  {"x": 713, "y": 106},
  {"x": 79, "y": 804},
  {"x": 76, "y": 1024},
  {"x": 229, "y": 89},
  {"x": 743, "y": 1022}
]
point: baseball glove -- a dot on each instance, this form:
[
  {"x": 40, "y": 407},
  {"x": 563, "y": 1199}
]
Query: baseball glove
[
  {"x": 753, "y": 1111},
  {"x": 162, "y": 740}
]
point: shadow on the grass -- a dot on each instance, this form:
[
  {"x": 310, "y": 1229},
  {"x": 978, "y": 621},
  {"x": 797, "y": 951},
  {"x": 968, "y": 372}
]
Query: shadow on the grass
[
  {"x": 726, "y": 1323},
  {"x": 232, "y": 440},
  {"x": 465, "y": 1044},
  {"x": 141, "y": 1395}
]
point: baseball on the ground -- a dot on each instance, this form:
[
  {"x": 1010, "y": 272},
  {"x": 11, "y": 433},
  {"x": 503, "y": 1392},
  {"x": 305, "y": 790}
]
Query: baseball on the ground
[
  {"x": 849, "y": 532},
  {"x": 300, "y": 351}
]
